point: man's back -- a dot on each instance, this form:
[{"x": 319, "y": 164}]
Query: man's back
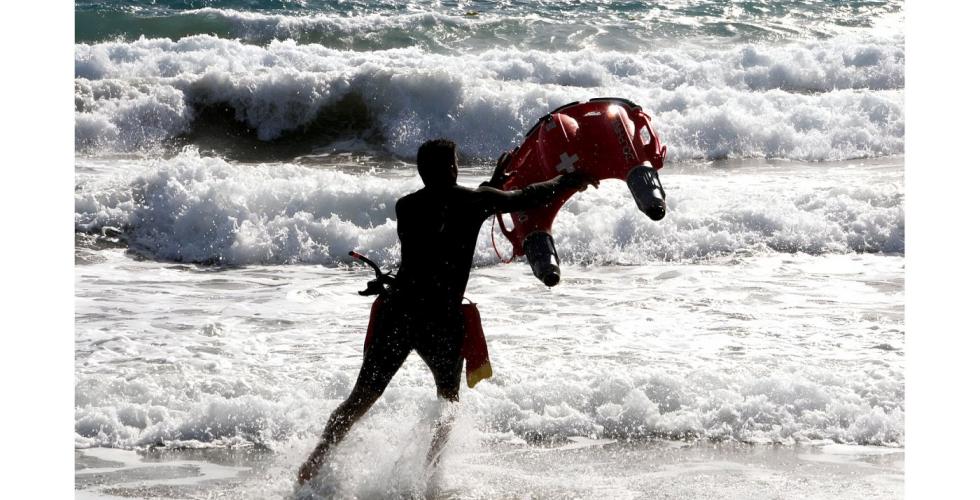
[{"x": 438, "y": 228}]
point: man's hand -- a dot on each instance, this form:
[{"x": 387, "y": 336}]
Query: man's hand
[
  {"x": 578, "y": 181},
  {"x": 498, "y": 178}
]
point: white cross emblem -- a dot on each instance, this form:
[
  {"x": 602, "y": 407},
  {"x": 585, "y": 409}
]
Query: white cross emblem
[{"x": 567, "y": 163}]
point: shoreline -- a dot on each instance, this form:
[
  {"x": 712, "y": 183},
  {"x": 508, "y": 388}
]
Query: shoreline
[{"x": 583, "y": 467}]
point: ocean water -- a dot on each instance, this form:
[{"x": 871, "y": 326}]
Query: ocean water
[{"x": 230, "y": 153}]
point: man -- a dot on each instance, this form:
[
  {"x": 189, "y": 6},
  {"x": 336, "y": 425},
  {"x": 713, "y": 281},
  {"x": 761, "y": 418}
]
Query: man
[{"x": 438, "y": 226}]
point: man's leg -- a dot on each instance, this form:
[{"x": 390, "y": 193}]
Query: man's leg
[
  {"x": 382, "y": 360},
  {"x": 444, "y": 425},
  {"x": 446, "y": 364}
]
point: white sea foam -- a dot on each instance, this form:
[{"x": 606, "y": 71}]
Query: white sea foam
[
  {"x": 780, "y": 349},
  {"x": 771, "y": 410},
  {"x": 198, "y": 209},
  {"x": 206, "y": 210},
  {"x": 818, "y": 100}
]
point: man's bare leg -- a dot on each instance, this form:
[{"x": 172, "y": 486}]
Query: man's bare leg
[
  {"x": 444, "y": 425},
  {"x": 341, "y": 420},
  {"x": 382, "y": 359}
]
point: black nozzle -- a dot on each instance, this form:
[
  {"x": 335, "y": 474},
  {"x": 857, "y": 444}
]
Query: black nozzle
[
  {"x": 377, "y": 270},
  {"x": 543, "y": 258},
  {"x": 648, "y": 193},
  {"x": 382, "y": 280}
]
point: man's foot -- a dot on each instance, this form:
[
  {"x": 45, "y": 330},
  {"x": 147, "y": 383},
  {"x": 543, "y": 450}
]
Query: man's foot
[{"x": 312, "y": 465}]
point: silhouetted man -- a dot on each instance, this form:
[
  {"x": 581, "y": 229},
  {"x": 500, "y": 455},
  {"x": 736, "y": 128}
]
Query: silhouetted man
[{"x": 438, "y": 226}]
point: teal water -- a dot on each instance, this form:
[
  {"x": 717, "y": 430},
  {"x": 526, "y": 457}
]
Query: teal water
[{"x": 561, "y": 25}]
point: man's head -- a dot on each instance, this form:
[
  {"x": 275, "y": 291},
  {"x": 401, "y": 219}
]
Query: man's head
[{"x": 437, "y": 163}]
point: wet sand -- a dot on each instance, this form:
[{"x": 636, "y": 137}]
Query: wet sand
[{"x": 580, "y": 468}]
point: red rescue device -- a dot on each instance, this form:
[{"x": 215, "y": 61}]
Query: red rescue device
[{"x": 605, "y": 138}]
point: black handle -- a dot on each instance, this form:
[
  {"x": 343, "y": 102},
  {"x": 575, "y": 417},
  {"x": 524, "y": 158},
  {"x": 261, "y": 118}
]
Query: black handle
[
  {"x": 381, "y": 281},
  {"x": 377, "y": 270}
]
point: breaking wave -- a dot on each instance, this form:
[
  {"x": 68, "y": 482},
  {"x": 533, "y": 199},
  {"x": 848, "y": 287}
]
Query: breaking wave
[
  {"x": 206, "y": 210},
  {"x": 820, "y": 100}
]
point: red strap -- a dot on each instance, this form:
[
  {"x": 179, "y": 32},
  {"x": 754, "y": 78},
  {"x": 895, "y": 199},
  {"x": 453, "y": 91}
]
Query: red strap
[{"x": 494, "y": 242}]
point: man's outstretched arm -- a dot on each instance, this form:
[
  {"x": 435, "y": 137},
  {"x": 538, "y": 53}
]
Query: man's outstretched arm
[{"x": 495, "y": 200}]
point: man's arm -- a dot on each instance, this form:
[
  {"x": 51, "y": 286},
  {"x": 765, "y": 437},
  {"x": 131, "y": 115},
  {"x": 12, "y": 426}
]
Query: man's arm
[{"x": 493, "y": 200}]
